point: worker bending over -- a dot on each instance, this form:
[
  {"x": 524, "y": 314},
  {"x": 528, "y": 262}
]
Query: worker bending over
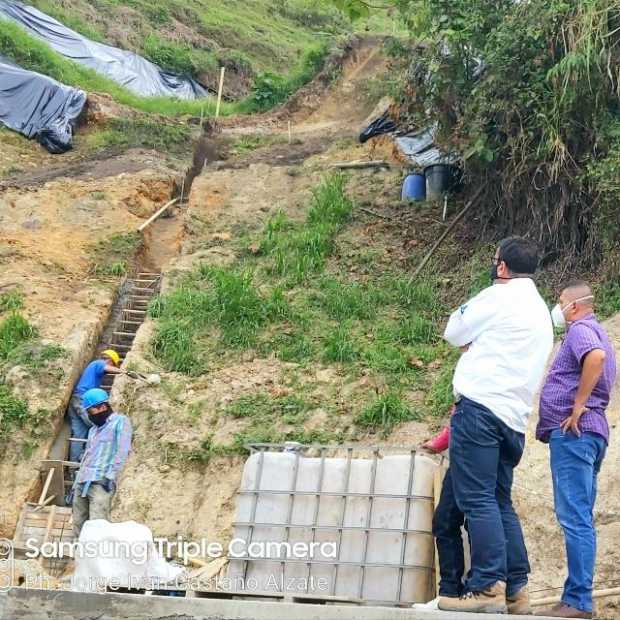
[
  {"x": 92, "y": 377},
  {"x": 107, "y": 449},
  {"x": 508, "y": 334},
  {"x": 572, "y": 421}
]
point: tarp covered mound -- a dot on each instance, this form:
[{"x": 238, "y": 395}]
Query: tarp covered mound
[
  {"x": 38, "y": 106},
  {"x": 134, "y": 72}
]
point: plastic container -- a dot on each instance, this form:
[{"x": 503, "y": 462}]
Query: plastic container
[
  {"x": 438, "y": 180},
  {"x": 414, "y": 187},
  {"x": 278, "y": 515}
]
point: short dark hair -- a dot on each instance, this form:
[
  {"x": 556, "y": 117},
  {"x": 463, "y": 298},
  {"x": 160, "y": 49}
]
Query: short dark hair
[{"x": 519, "y": 254}]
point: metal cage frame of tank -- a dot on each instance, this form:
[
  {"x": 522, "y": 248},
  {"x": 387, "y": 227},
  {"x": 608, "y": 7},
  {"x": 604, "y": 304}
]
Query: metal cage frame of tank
[{"x": 322, "y": 451}]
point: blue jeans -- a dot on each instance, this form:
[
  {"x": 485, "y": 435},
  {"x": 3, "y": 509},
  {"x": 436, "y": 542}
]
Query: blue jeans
[
  {"x": 79, "y": 428},
  {"x": 447, "y": 523},
  {"x": 575, "y": 463},
  {"x": 483, "y": 454}
]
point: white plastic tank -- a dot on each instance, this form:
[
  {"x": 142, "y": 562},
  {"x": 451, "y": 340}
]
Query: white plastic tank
[{"x": 361, "y": 507}]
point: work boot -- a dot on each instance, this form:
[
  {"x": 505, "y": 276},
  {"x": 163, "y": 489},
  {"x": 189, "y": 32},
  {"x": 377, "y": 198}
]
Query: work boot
[
  {"x": 519, "y": 603},
  {"x": 489, "y": 601},
  {"x": 562, "y": 610},
  {"x": 444, "y": 600}
]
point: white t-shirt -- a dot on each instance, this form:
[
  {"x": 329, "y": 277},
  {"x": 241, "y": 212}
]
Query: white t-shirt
[{"x": 510, "y": 335}]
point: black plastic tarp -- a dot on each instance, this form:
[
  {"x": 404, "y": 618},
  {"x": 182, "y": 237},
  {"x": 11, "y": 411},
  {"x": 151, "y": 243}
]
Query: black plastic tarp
[
  {"x": 39, "y": 107},
  {"x": 134, "y": 72}
]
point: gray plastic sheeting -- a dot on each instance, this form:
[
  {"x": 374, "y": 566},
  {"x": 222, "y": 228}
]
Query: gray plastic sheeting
[
  {"x": 134, "y": 72},
  {"x": 419, "y": 148},
  {"x": 39, "y": 107}
]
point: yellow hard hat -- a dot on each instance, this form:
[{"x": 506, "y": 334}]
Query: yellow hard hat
[{"x": 113, "y": 355}]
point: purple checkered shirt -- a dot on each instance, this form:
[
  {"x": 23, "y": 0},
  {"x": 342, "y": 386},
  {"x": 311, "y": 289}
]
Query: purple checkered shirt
[{"x": 558, "y": 394}]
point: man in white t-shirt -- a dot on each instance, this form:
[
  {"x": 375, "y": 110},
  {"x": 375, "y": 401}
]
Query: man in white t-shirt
[{"x": 507, "y": 335}]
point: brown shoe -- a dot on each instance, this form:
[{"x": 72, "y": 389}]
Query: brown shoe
[
  {"x": 562, "y": 610},
  {"x": 489, "y": 601},
  {"x": 519, "y": 603}
]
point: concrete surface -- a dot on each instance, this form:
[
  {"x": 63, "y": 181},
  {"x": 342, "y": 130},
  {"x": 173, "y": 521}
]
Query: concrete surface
[{"x": 59, "y": 605}]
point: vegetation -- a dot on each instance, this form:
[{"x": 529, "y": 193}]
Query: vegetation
[
  {"x": 269, "y": 48},
  {"x": 37, "y": 56},
  {"x": 288, "y": 297},
  {"x": 19, "y": 345},
  {"x": 112, "y": 256},
  {"x": 129, "y": 133},
  {"x": 534, "y": 116},
  {"x": 11, "y": 300}
]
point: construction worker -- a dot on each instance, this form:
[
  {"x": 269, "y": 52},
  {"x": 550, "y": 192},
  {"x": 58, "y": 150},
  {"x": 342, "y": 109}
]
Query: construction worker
[
  {"x": 107, "y": 449},
  {"x": 572, "y": 421},
  {"x": 91, "y": 377},
  {"x": 508, "y": 336}
]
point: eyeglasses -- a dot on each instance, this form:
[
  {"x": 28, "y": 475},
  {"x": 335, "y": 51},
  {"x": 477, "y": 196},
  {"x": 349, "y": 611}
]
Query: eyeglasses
[{"x": 496, "y": 260}]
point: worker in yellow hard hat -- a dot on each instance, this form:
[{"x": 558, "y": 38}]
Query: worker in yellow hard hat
[{"x": 108, "y": 362}]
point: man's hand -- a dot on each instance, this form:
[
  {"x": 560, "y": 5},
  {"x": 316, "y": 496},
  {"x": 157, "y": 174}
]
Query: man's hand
[
  {"x": 429, "y": 447},
  {"x": 572, "y": 422}
]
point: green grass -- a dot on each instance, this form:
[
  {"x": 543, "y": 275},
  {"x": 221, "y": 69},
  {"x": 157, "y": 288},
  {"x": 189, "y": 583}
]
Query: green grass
[
  {"x": 15, "y": 330},
  {"x": 11, "y": 300},
  {"x": 111, "y": 257},
  {"x": 129, "y": 133},
  {"x": 385, "y": 413},
  {"x": 290, "y": 299},
  {"x": 37, "y": 56},
  {"x": 13, "y": 412},
  {"x": 296, "y": 251},
  {"x": 268, "y": 43}
]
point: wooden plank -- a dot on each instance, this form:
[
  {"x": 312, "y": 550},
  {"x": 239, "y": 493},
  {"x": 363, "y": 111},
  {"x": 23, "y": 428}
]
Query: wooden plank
[
  {"x": 157, "y": 214},
  {"x": 57, "y": 485}
]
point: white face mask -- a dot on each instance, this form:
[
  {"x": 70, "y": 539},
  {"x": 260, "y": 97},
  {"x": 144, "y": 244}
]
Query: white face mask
[{"x": 557, "y": 314}]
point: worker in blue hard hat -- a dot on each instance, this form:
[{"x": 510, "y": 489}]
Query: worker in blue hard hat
[
  {"x": 107, "y": 449},
  {"x": 92, "y": 377}
]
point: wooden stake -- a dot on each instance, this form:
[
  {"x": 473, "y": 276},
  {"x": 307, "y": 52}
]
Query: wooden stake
[
  {"x": 46, "y": 486},
  {"x": 445, "y": 233},
  {"x": 219, "y": 92},
  {"x": 290, "y": 137},
  {"x": 157, "y": 214}
]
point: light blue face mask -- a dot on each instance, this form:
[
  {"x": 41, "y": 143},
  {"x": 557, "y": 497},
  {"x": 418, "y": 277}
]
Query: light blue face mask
[{"x": 557, "y": 313}]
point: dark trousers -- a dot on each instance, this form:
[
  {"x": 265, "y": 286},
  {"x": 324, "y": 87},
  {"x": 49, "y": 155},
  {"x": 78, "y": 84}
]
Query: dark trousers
[
  {"x": 447, "y": 522},
  {"x": 483, "y": 454}
]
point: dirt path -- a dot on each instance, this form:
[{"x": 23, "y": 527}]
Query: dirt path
[{"x": 239, "y": 195}]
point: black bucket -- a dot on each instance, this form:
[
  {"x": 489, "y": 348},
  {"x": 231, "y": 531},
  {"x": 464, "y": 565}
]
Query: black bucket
[{"x": 438, "y": 180}]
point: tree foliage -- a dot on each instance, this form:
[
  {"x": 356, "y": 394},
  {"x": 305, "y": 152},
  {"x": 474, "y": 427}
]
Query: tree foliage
[{"x": 527, "y": 92}]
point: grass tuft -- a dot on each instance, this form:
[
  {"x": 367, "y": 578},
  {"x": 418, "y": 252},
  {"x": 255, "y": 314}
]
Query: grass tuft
[{"x": 385, "y": 413}]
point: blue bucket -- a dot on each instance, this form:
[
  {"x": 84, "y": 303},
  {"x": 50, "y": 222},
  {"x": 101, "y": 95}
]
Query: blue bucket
[{"x": 414, "y": 187}]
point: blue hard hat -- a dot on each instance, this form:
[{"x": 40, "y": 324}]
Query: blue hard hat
[{"x": 94, "y": 397}]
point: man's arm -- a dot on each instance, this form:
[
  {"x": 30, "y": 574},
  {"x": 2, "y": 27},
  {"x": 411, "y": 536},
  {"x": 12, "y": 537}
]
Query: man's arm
[
  {"x": 591, "y": 371},
  {"x": 113, "y": 370},
  {"x": 470, "y": 320},
  {"x": 123, "y": 433}
]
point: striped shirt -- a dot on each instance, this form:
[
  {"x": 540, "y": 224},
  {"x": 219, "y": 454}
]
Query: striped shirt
[
  {"x": 558, "y": 394},
  {"x": 107, "y": 450}
]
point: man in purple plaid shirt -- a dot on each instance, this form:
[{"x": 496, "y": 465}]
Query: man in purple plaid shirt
[{"x": 572, "y": 420}]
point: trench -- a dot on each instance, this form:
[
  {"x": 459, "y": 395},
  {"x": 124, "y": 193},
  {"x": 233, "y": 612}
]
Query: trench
[{"x": 161, "y": 242}]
